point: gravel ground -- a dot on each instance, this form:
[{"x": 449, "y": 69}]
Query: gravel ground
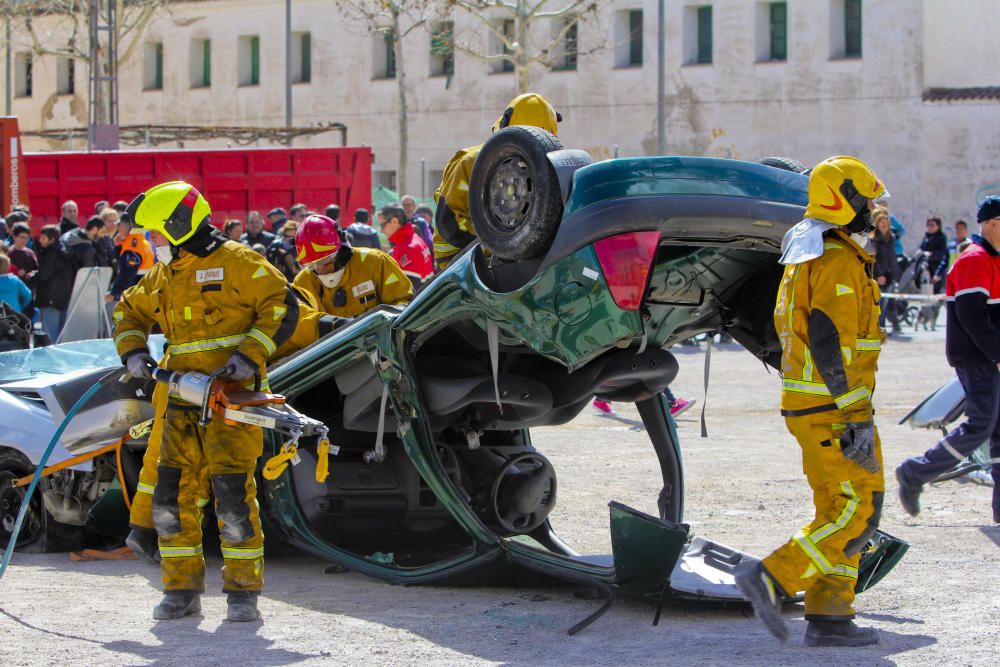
[{"x": 744, "y": 489}]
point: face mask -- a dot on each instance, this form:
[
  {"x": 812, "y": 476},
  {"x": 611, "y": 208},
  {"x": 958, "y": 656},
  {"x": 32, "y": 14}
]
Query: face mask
[
  {"x": 164, "y": 254},
  {"x": 331, "y": 280},
  {"x": 860, "y": 239}
]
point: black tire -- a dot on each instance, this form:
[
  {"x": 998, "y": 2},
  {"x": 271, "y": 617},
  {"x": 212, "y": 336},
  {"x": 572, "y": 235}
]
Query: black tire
[
  {"x": 786, "y": 163},
  {"x": 514, "y": 195},
  {"x": 14, "y": 465},
  {"x": 40, "y": 532}
]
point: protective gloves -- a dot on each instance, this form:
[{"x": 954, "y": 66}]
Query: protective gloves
[
  {"x": 141, "y": 365},
  {"x": 239, "y": 368},
  {"x": 857, "y": 444}
]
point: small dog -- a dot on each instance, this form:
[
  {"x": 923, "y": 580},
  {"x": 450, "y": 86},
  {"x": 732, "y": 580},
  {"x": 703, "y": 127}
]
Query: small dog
[{"x": 928, "y": 314}]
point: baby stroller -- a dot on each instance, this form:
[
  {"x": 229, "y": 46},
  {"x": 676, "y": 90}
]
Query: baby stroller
[
  {"x": 16, "y": 332},
  {"x": 915, "y": 278}
]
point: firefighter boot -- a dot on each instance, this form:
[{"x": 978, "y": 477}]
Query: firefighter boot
[
  {"x": 242, "y": 607},
  {"x": 759, "y": 589},
  {"x": 839, "y": 633},
  {"x": 177, "y": 604},
  {"x": 143, "y": 542}
]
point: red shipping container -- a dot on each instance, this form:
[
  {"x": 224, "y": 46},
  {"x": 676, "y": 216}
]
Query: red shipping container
[{"x": 235, "y": 181}]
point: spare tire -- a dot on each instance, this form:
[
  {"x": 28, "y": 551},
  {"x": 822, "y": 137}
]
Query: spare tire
[
  {"x": 514, "y": 196},
  {"x": 786, "y": 163}
]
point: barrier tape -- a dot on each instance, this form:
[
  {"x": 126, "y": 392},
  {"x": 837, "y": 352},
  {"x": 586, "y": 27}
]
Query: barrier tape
[{"x": 914, "y": 297}]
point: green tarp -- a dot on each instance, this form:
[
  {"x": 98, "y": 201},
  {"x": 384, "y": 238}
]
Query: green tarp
[{"x": 382, "y": 195}]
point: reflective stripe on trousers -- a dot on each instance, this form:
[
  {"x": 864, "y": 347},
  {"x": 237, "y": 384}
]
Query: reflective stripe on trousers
[{"x": 822, "y": 558}]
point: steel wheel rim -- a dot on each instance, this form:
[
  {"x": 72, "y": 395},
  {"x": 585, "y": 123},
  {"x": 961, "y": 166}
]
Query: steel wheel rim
[{"x": 511, "y": 186}]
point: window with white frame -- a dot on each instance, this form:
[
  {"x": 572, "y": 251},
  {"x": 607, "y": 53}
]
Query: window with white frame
[
  {"x": 498, "y": 46},
  {"x": 697, "y": 40},
  {"x": 384, "y": 55},
  {"x": 845, "y": 29},
  {"x": 65, "y": 76},
  {"x": 628, "y": 38},
  {"x": 771, "y": 31},
  {"x": 248, "y": 60},
  {"x": 152, "y": 66},
  {"x": 23, "y": 74},
  {"x": 301, "y": 57},
  {"x": 385, "y": 179},
  {"x": 567, "y": 34},
  {"x": 442, "y": 56},
  {"x": 201, "y": 63}
]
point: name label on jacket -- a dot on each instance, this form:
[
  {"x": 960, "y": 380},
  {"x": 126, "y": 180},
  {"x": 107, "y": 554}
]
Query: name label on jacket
[
  {"x": 363, "y": 288},
  {"x": 209, "y": 275}
]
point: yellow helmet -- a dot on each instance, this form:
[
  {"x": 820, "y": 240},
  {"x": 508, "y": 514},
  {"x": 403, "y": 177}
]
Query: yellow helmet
[
  {"x": 529, "y": 109},
  {"x": 175, "y": 209},
  {"x": 841, "y": 186}
]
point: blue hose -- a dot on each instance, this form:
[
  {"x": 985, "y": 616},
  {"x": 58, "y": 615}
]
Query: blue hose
[{"x": 26, "y": 502}]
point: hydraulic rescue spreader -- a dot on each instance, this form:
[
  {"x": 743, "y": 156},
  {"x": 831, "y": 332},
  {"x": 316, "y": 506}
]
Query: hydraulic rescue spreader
[{"x": 235, "y": 404}]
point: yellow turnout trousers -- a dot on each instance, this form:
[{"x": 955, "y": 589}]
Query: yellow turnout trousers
[
  {"x": 312, "y": 325},
  {"x": 228, "y": 454},
  {"x": 822, "y": 558},
  {"x": 141, "y": 514}
]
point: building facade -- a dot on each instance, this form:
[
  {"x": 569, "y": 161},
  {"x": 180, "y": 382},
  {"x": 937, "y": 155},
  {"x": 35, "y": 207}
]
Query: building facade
[{"x": 911, "y": 86}]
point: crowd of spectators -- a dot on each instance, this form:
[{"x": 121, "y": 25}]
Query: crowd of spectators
[
  {"x": 46, "y": 265},
  {"x": 936, "y": 251},
  {"x": 37, "y": 274},
  {"x": 274, "y": 238}
]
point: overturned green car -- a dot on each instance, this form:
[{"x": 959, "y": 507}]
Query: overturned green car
[{"x": 586, "y": 275}]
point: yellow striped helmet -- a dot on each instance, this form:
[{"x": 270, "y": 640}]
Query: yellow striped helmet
[
  {"x": 175, "y": 209},
  {"x": 841, "y": 186}
]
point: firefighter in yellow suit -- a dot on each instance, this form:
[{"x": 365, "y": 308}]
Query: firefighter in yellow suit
[
  {"x": 453, "y": 228},
  {"x": 345, "y": 281},
  {"x": 826, "y": 317},
  {"x": 223, "y": 308},
  {"x": 312, "y": 325}
]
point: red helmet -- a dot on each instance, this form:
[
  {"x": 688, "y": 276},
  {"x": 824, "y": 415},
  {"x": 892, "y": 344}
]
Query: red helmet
[{"x": 317, "y": 238}]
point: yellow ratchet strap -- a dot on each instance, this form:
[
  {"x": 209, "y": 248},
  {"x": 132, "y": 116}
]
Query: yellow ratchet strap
[
  {"x": 277, "y": 463},
  {"x": 322, "y": 460}
]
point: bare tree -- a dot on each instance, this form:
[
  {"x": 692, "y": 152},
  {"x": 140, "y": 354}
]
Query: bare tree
[
  {"x": 515, "y": 26},
  {"x": 394, "y": 20},
  {"x": 61, "y": 27}
]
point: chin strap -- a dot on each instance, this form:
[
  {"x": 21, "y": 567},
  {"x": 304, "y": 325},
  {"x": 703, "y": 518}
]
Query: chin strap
[
  {"x": 206, "y": 240},
  {"x": 343, "y": 256}
]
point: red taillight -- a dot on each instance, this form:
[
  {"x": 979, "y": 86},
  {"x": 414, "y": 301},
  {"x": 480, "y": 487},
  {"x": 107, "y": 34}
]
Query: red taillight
[{"x": 626, "y": 260}]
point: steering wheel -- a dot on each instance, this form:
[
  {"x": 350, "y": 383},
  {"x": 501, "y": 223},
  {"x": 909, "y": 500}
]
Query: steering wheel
[{"x": 524, "y": 493}]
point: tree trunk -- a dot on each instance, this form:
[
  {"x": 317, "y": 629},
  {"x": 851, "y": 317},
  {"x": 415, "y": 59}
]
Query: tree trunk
[
  {"x": 404, "y": 139},
  {"x": 521, "y": 64}
]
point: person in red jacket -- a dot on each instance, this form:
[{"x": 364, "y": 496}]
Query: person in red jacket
[
  {"x": 972, "y": 346},
  {"x": 408, "y": 249}
]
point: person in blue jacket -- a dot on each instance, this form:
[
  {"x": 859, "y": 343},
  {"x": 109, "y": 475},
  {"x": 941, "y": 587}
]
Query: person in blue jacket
[
  {"x": 897, "y": 231},
  {"x": 13, "y": 291}
]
